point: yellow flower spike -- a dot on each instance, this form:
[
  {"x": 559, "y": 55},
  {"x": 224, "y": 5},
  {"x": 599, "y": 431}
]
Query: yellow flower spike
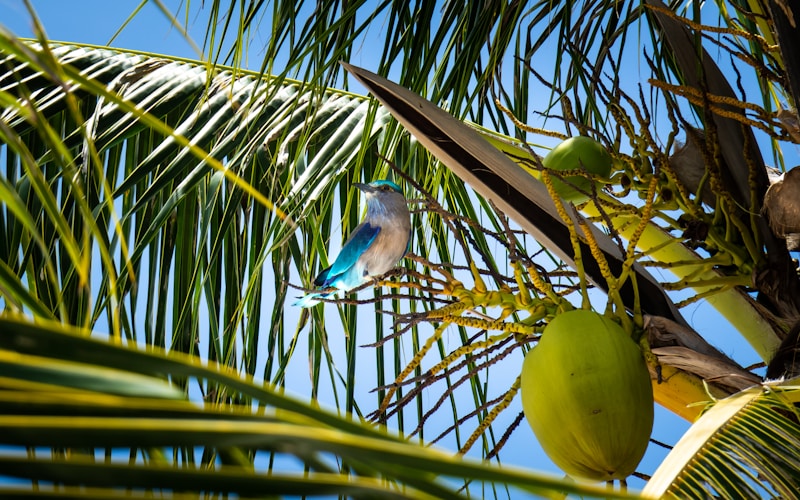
[
  {"x": 573, "y": 235},
  {"x": 508, "y": 301},
  {"x": 467, "y": 302},
  {"x": 638, "y": 315},
  {"x": 720, "y": 282},
  {"x": 401, "y": 284},
  {"x": 412, "y": 365},
  {"x": 613, "y": 282},
  {"x": 700, "y": 267},
  {"x": 526, "y": 127},
  {"x": 459, "y": 291},
  {"x": 602, "y": 263},
  {"x": 649, "y": 356},
  {"x": 523, "y": 297},
  {"x": 486, "y": 422},
  {"x": 507, "y": 311},
  {"x": 450, "y": 309},
  {"x": 557, "y": 201},
  {"x": 644, "y": 220},
  {"x": 464, "y": 350},
  {"x": 539, "y": 283},
  {"x": 452, "y": 286},
  {"x": 484, "y": 324},
  {"x": 542, "y": 286},
  {"x": 492, "y": 299},
  {"x": 480, "y": 286},
  {"x": 538, "y": 312},
  {"x": 523, "y": 301},
  {"x": 715, "y": 103}
]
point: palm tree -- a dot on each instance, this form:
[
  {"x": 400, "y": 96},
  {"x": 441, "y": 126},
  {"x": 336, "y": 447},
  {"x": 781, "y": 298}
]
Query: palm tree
[{"x": 150, "y": 203}]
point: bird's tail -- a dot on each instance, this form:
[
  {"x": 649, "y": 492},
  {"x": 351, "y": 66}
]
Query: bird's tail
[
  {"x": 312, "y": 299},
  {"x": 308, "y": 300}
]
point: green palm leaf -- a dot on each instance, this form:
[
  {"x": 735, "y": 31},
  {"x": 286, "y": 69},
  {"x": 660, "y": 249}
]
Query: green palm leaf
[
  {"x": 79, "y": 406},
  {"x": 745, "y": 445}
]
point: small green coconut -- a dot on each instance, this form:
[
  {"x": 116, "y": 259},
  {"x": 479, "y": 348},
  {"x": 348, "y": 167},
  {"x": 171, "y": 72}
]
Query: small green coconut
[{"x": 578, "y": 153}]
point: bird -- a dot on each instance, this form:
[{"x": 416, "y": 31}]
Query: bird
[
  {"x": 782, "y": 207},
  {"x": 373, "y": 248}
]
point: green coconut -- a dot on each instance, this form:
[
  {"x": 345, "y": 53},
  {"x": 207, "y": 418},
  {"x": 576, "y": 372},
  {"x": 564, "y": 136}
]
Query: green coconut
[
  {"x": 578, "y": 153},
  {"x": 587, "y": 395}
]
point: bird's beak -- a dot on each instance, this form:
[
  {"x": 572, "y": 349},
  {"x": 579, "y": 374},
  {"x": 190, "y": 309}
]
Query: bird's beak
[{"x": 364, "y": 187}]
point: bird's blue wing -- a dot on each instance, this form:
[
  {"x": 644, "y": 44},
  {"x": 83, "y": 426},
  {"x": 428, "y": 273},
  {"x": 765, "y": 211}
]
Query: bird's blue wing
[
  {"x": 322, "y": 277},
  {"x": 361, "y": 238}
]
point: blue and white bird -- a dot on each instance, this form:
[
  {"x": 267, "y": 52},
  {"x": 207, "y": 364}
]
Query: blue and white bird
[{"x": 373, "y": 248}]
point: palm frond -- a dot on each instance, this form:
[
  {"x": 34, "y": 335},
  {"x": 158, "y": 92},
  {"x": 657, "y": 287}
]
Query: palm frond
[
  {"x": 117, "y": 435},
  {"x": 261, "y": 130},
  {"x": 745, "y": 445}
]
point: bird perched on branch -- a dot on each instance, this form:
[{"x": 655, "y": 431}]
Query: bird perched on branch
[{"x": 373, "y": 248}]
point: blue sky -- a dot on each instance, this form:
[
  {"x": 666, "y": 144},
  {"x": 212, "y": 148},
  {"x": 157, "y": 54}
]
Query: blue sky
[{"x": 97, "y": 21}]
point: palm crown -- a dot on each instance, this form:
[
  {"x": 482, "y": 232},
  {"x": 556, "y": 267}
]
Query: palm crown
[{"x": 154, "y": 202}]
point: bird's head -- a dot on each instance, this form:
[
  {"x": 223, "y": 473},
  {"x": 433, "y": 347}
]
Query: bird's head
[
  {"x": 378, "y": 187},
  {"x": 384, "y": 197}
]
